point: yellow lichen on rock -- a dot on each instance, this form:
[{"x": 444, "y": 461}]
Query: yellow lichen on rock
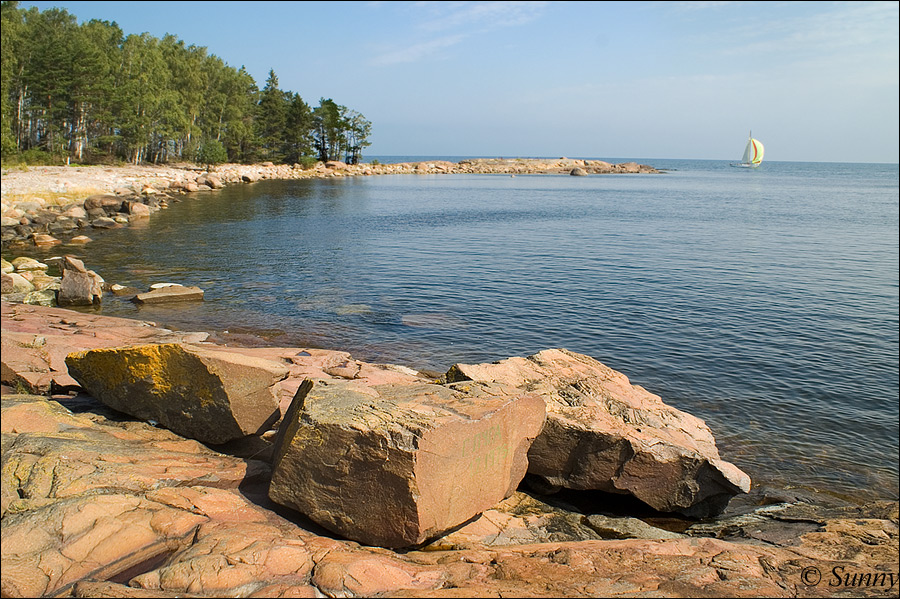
[{"x": 211, "y": 396}]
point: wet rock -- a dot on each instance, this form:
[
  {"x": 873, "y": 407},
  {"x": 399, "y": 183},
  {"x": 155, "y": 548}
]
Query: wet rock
[
  {"x": 44, "y": 240},
  {"x": 210, "y": 395},
  {"x": 578, "y": 172},
  {"x": 393, "y": 465},
  {"x": 138, "y": 209},
  {"x": 78, "y": 286},
  {"x": 122, "y": 290},
  {"x": 170, "y": 293},
  {"x": 104, "y": 222},
  {"x": 604, "y": 433}
]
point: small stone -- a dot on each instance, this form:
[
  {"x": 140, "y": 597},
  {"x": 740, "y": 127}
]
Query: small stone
[{"x": 23, "y": 263}]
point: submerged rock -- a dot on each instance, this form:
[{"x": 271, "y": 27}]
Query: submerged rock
[
  {"x": 394, "y": 465},
  {"x": 208, "y": 395},
  {"x": 604, "y": 433}
]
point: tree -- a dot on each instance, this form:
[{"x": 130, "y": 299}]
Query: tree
[
  {"x": 89, "y": 92},
  {"x": 48, "y": 77},
  {"x": 95, "y": 53},
  {"x": 297, "y": 130},
  {"x": 272, "y": 116},
  {"x": 327, "y": 128},
  {"x": 357, "y": 135},
  {"x": 211, "y": 152}
]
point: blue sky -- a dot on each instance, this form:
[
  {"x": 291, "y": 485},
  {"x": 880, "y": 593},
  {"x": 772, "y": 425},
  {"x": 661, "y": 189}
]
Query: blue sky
[{"x": 815, "y": 81}]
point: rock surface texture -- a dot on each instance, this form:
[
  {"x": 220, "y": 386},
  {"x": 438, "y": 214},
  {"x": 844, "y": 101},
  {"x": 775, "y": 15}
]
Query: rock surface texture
[
  {"x": 394, "y": 465},
  {"x": 213, "y": 396},
  {"x": 604, "y": 433},
  {"x": 97, "y": 504}
]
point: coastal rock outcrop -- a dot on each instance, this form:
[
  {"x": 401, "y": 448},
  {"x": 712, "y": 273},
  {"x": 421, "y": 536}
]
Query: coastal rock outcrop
[
  {"x": 394, "y": 465},
  {"x": 604, "y": 433},
  {"x": 210, "y": 395},
  {"x": 95, "y": 504}
]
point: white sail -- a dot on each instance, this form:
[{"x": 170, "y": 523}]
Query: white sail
[{"x": 753, "y": 153}]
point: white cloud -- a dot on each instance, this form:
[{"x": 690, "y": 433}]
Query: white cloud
[
  {"x": 417, "y": 51},
  {"x": 454, "y": 22}
]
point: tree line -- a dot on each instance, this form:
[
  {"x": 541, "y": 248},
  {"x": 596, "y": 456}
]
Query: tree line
[{"x": 90, "y": 93}]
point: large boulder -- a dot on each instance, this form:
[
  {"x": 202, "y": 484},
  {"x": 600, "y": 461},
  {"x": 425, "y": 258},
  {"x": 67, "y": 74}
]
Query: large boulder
[
  {"x": 209, "y": 395},
  {"x": 606, "y": 434},
  {"x": 395, "y": 465}
]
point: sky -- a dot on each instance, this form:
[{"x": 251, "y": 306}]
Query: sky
[{"x": 814, "y": 81}]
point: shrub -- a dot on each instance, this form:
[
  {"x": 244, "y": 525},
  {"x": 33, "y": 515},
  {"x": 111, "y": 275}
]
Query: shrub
[{"x": 211, "y": 152}]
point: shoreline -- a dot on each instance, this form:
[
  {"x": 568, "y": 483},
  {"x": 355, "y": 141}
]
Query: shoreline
[
  {"x": 38, "y": 205},
  {"x": 168, "y": 182},
  {"x": 225, "y": 497}
]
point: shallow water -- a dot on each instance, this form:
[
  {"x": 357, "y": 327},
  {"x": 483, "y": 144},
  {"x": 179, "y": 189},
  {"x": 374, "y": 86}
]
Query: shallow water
[{"x": 764, "y": 301}]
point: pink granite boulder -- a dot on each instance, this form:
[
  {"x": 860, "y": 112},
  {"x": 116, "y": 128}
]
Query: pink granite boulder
[
  {"x": 604, "y": 433},
  {"x": 394, "y": 465}
]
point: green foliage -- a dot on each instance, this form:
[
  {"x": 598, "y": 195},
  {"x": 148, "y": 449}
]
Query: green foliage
[
  {"x": 307, "y": 162},
  {"x": 89, "y": 93},
  {"x": 211, "y": 152}
]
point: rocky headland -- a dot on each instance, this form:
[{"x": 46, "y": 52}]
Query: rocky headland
[{"x": 139, "y": 461}]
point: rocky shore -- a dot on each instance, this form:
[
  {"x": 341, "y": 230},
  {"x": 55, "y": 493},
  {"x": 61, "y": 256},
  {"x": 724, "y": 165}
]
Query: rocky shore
[
  {"x": 139, "y": 461},
  {"x": 43, "y": 205},
  {"x": 144, "y": 462}
]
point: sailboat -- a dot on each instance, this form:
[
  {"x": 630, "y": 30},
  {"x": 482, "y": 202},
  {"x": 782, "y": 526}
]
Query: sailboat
[{"x": 753, "y": 153}]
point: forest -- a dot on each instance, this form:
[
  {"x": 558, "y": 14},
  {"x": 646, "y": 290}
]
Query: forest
[{"x": 88, "y": 93}]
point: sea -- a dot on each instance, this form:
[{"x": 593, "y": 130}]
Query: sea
[{"x": 764, "y": 301}]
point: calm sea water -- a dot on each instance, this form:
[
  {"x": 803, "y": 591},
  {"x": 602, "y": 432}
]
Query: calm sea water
[{"x": 764, "y": 301}]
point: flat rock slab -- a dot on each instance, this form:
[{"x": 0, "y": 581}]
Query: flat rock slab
[
  {"x": 606, "y": 434},
  {"x": 174, "y": 293},
  {"x": 394, "y": 465},
  {"x": 50, "y": 454},
  {"x": 213, "y": 396},
  {"x": 37, "y": 339},
  {"x": 44, "y": 551}
]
